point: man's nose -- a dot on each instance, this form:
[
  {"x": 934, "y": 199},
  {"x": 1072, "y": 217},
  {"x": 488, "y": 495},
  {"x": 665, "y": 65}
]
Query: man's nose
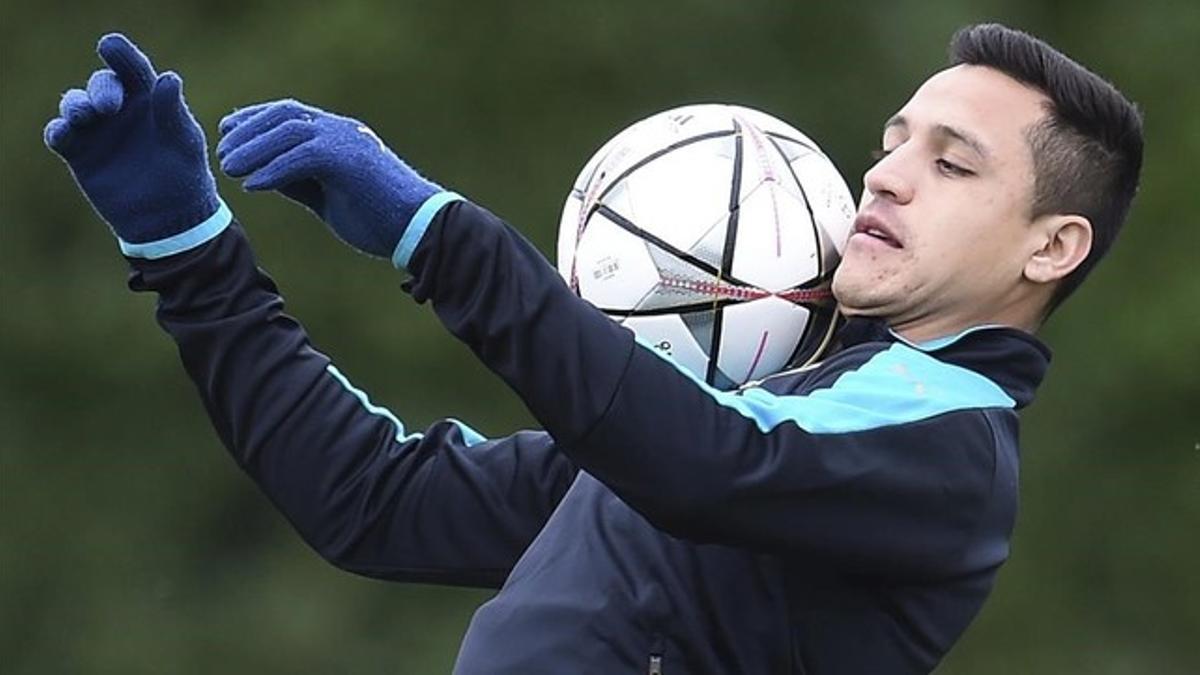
[{"x": 888, "y": 179}]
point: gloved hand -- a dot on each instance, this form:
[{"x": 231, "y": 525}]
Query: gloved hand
[
  {"x": 138, "y": 154},
  {"x": 337, "y": 167}
]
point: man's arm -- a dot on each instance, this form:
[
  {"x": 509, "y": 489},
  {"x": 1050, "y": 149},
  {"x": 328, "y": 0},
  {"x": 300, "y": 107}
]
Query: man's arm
[
  {"x": 445, "y": 506},
  {"x": 886, "y": 470}
]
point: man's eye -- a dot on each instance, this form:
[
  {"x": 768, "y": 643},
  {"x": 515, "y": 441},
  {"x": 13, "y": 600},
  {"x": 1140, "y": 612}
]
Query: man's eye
[
  {"x": 953, "y": 169},
  {"x": 879, "y": 153}
]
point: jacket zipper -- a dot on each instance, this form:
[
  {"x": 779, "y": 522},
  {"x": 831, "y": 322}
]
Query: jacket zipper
[{"x": 657, "y": 648}]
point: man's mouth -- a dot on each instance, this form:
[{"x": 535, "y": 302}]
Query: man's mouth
[{"x": 872, "y": 226}]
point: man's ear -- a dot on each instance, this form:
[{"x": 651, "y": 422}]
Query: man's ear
[{"x": 1065, "y": 242}]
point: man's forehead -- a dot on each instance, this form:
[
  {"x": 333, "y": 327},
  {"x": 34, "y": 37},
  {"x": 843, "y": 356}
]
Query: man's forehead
[{"x": 978, "y": 98}]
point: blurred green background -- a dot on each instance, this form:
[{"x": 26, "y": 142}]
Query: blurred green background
[{"x": 130, "y": 543}]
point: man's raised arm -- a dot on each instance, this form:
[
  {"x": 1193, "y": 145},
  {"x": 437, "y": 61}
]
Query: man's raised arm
[{"x": 446, "y": 506}]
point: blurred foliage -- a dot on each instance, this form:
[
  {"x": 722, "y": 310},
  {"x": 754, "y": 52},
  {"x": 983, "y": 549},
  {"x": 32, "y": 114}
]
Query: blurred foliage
[{"x": 130, "y": 543}]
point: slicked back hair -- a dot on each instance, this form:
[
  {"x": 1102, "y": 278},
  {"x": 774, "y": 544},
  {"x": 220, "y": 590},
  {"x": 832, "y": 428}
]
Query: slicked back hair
[{"x": 1087, "y": 152}]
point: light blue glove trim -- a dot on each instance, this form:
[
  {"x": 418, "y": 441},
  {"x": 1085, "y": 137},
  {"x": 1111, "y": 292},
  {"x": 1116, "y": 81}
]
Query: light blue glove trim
[
  {"x": 184, "y": 241},
  {"x": 417, "y": 226}
]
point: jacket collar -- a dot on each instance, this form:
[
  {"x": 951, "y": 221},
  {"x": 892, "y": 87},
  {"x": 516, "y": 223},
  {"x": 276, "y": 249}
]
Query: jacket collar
[{"x": 1014, "y": 359}]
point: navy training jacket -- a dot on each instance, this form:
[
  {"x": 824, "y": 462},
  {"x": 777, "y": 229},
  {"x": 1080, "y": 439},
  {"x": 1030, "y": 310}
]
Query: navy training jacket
[{"x": 845, "y": 518}]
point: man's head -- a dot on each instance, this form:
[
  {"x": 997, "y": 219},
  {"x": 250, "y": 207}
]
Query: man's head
[{"x": 1000, "y": 184}]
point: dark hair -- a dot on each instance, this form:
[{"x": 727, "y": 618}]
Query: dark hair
[{"x": 1087, "y": 153}]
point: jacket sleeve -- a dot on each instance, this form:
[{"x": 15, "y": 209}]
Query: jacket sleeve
[
  {"x": 445, "y": 506},
  {"x": 889, "y": 469}
]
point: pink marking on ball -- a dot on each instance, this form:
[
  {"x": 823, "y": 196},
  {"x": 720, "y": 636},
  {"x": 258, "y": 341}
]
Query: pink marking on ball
[{"x": 762, "y": 343}]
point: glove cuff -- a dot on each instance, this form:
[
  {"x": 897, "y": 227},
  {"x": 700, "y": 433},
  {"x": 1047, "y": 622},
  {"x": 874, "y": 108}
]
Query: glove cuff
[
  {"x": 184, "y": 241},
  {"x": 415, "y": 230}
]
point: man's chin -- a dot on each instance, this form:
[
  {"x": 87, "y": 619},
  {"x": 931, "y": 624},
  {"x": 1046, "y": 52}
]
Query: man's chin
[
  {"x": 856, "y": 300},
  {"x": 847, "y": 310}
]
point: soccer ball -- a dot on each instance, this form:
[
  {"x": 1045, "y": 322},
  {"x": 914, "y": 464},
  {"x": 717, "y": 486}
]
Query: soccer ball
[{"x": 712, "y": 231}]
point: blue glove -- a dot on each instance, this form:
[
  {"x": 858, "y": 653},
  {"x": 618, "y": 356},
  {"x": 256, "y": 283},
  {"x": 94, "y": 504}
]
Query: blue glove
[
  {"x": 337, "y": 167},
  {"x": 138, "y": 155}
]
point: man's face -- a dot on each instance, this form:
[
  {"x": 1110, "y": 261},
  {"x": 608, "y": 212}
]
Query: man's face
[{"x": 943, "y": 231}]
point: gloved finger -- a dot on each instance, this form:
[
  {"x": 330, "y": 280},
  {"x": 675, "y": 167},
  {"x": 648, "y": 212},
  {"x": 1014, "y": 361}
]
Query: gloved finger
[
  {"x": 302, "y": 162},
  {"x": 267, "y": 119},
  {"x": 258, "y": 151},
  {"x": 170, "y": 112},
  {"x": 240, "y": 115},
  {"x": 128, "y": 62},
  {"x": 105, "y": 91},
  {"x": 76, "y": 108},
  {"x": 57, "y": 135}
]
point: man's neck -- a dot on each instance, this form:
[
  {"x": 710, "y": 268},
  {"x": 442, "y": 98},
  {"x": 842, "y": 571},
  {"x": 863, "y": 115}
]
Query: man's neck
[{"x": 932, "y": 328}]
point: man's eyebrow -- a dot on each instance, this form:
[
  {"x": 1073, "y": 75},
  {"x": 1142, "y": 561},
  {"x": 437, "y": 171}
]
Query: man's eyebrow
[
  {"x": 963, "y": 137},
  {"x": 945, "y": 131}
]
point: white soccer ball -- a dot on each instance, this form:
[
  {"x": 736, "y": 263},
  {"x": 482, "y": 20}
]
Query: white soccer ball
[{"x": 712, "y": 231}]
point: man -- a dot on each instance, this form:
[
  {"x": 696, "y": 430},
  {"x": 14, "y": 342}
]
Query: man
[{"x": 849, "y": 518}]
